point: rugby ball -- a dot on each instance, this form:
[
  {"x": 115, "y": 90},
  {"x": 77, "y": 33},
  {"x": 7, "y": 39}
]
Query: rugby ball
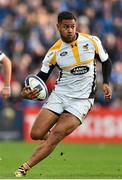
[{"x": 33, "y": 82}]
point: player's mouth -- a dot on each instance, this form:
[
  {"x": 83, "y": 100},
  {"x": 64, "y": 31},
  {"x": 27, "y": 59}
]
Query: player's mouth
[{"x": 69, "y": 35}]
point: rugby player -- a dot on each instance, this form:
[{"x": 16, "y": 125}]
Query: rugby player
[
  {"x": 73, "y": 96},
  {"x": 7, "y": 68}
]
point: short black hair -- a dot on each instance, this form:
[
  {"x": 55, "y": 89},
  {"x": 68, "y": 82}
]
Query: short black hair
[{"x": 65, "y": 15}]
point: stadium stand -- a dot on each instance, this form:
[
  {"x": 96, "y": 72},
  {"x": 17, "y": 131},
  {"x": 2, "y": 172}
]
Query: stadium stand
[{"x": 28, "y": 29}]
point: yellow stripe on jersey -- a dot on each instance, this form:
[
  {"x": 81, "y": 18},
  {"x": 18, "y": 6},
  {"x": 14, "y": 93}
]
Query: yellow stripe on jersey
[
  {"x": 53, "y": 60},
  {"x": 92, "y": 40},
  {"x": 74, "y": 47},
  {"x": 56, "y": 46},
  {"x": 73, "y": 65}
]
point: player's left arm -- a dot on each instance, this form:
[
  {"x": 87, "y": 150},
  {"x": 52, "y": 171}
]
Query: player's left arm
[
  {"x": 102, "y": 55},
  {"x": 48, "y": 65},
  {"x": 44, "y": 73},
  {"x": 7, "y": 69},
  {"x": 106, "y": 71}
]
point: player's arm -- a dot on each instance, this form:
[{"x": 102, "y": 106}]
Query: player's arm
[
  {"x": 44, "y": 75},
  {"x": 48, "y": 65},
  {"x": 103, "y": 57},
  {"x": 106, "y": 71},
  {"x": 7, "y": 69}
]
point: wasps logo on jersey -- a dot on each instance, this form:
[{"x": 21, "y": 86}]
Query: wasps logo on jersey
[{"x": 85, "y": 47}]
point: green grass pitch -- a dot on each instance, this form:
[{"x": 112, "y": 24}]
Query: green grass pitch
[{"x": 68, "y": 161}]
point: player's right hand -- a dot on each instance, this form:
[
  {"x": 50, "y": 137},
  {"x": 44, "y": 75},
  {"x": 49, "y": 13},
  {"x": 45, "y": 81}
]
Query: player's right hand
[{"x": 27, "y": 93}]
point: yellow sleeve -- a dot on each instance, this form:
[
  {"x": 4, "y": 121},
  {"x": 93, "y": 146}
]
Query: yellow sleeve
[{"x": 50, "y": 58}]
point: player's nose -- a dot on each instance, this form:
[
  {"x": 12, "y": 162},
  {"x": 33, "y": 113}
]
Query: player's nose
[{"x": 69, "y": 30}]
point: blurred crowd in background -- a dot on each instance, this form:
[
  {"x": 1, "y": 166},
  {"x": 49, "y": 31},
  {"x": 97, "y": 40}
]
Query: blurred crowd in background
[{"x": 28, "y": 30}]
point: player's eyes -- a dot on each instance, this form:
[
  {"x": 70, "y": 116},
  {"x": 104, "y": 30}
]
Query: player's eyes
[
  {"x": 67, "y": 27},
  {"x": 73, "y": 27}
]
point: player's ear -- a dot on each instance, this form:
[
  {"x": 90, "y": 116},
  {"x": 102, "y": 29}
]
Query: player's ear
[{"x": 57, "y": 26}]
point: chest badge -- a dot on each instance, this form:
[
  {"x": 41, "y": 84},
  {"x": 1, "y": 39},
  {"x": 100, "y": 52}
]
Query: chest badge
[
  {"x": 64, "y": 53},
  {"x": 85, "y": 47}
]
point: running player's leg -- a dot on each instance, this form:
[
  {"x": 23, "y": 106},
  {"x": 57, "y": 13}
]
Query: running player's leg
[
  {"x": 44, "y": 121},
  {"x": 66, "y": 124},
  {"x": 47, "y": 117}
]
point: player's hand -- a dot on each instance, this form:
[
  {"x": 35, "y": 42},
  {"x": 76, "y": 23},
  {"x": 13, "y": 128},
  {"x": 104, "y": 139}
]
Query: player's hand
[
  {"x": 27, "y": 93},
  {"x": 6, "y": 92},
  {"x": 107, "y": 91}
]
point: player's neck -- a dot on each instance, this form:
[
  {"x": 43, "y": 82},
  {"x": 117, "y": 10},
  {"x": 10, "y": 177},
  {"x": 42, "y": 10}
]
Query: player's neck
[{"x": 74, "y": 39}]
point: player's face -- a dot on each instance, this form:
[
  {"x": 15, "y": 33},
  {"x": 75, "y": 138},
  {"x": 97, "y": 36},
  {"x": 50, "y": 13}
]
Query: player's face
[{"x": 67, "y": 30}]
